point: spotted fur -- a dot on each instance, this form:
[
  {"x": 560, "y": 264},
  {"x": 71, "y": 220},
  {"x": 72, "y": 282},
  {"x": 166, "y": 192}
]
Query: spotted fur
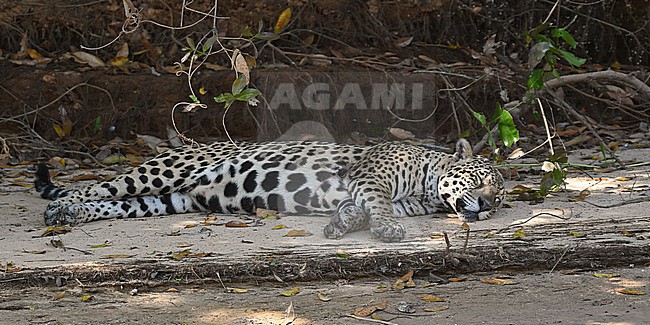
[{"x": 362, "y": 186}]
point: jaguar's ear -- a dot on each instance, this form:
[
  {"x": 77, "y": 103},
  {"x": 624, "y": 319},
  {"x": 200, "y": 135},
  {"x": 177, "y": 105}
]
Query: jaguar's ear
[{"x": 463, "y": 150}]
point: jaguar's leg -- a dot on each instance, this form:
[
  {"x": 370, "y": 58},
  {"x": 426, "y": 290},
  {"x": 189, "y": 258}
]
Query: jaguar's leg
[
  {"x": 145, "y": 206},
  {"x": 412, "y": 206},
  {"x": 377, "y": 204},
  {"x": 348, "y": 218}
]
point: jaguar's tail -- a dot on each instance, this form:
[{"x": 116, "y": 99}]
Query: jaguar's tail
[{"x": 44, "y": 185}]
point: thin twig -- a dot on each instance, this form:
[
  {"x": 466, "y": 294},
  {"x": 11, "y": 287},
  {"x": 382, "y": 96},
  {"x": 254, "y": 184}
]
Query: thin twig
[
  {"x": 560, "y": 259},
  {"x": 533, "y": 217}
]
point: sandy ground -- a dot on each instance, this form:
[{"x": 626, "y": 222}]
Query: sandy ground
[{"x": 139, "y": 254}]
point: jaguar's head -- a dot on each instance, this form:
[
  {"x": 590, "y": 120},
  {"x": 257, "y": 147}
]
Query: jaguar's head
[{"x": 472, "y": 187}]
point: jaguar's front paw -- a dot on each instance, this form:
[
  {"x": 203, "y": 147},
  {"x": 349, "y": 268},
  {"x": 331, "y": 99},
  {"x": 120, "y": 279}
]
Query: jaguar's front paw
[
  {"x": 388, "y": 231},
  {"x": 59, "y": 214},
  {"x": 331, "y": 231}
]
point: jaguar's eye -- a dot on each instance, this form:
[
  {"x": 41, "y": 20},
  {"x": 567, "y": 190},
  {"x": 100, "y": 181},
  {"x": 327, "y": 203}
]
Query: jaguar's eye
[{"x": 497, "y": 201}]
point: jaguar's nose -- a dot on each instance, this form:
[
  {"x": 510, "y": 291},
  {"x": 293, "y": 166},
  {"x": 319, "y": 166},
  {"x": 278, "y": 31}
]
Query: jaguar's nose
[{"x": 484, "y": 204}]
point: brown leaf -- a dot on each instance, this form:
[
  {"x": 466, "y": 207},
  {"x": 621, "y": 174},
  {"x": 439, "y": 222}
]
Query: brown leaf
[
  {"x": 291, "y": 292},
  {"x": 85, "y": 177},
  {"x": 181, "y": 254},
  {"x": 323, "y": 297},
  {"x": 436, "y": 308},
  {"x": 431, "y": 298},
  {"x": 403, "y": 41},
  {"x": 236, "y": 224},
  {"x": 298, "y": 233},
  {"x": 59, "y": 296},
  {"x": 56, "y": 230},
  {"x": 118, "y": 255},
  {"x": 283, "y": 21},
  {"x": 401, "y": 133},
  {"x": 497, "y": 281},
  {"x": 266, "y": 214},
  {"x": 630, "y": 292}
]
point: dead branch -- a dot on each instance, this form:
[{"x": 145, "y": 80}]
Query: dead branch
[{"x": 626, "y": 202}]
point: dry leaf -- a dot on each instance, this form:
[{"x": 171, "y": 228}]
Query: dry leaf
[
  {"x": 237, "y": 290},
  {"x": 298, "y": 233},
  {"x": 86, "y": 177},
  {"x": 497, "y": 281},
  {"x": 118, "y": 255},
  {"x": 266, "y": 214},
  {"x": 279, "y": 227},
  {"x": 124, "y": 51},
  {"x": 431, "y": 298},
  {"x": 323, "y": 297},
  {"x": 236, "y": 224},
  {"x": 403, "y": 41},
  {"x": 86, "y": 298},
  {"x": 181, "y": 254},
  {"x": 87, "y": 58},
  {"x": 381, "y": 289},
  {"x": 240, "y": 65},
  {"x": 457, "y": 279},
  {"x": 56, "y": 230},
  {"x": 283, "y": 21},
  {"x": 59, "y": 296},
  {"x": 183, "y": 244},
  {"x": 119, "y": 61},
  {"x": 291, "y": 292},
  {"x": 401, "y": 133},
  {"x": 171, "y": 290},
  {"x": 519, "y": 233},
  {"x": 436, "y": 308},
  {"x": 627, "y": 233},
  {"x": 630, "y": 292},
  {"x": 577, "y": 234},
  {"x": 606, "y": 275},
  {"x": 105, "y": 244}
]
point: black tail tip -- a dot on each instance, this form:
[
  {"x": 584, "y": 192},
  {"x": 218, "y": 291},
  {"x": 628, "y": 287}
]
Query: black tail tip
[{"x": 42, "y": 177}]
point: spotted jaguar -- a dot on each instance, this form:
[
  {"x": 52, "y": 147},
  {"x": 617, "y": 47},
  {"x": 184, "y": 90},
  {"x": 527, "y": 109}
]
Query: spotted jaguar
[{"x": 361, "y": 187}]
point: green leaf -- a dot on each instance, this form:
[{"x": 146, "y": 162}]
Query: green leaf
[
  {"x": 267, "y": 36},
  {"x": 239, "y": 84},
  {"x": 465, "y": 134},
  {"x": 98, "y": 124},
  {"x": 210, "y": 41},
  {"x": 190, "y": 42},
  {"x": 223, "y": 98},
  {"x": 535, "y": 31},
  {"x": 536, "y": 80},
  {"x": 480, "y": 117},
  {"x": 536, "y": 54},
  {"x": 247, "y": 94},
  {"x": 507, "y": 130},
  {"x": 195, "y": 99},
  {"x": 572, "y": 59},
  {"x": 562, "y": 33},
  {"x": 560, "y": 157}
]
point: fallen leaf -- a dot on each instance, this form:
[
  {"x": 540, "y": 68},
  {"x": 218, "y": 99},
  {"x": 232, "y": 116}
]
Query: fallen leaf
[
  {"x": 56, "y": 230},
  {"x": 237, "y": 290},
  {"x": 86, "y": 177},
  {"x": 279, "y": 227},
  {"x": 580, "y": 197},
  {"x": 236, "y": 224},
  {"x": 190, "y": 225},
  {"x": 171, "y": 290},
  {"x": 627, "y": 233},
  {"x": 181, "y": 254},
  {"x": 577, "y": 234},
  {"x": 519, "y": 233},
  {"x": 266, "y": 214},
  {"x": 497, "y": 281},
  {"x": 291, "y": 292},
  {"x": 403, "y": 41},
  {"x": 202, "y": 91},
  {"x": 283, "y": 21},
  {"x": 183, "y": 244},
  {"x": 431, "y": 298},
  {"x": 457, "y": 279},
  {"x": 34, "y": 252},
  {"x": 298, "y": 233},
  {"x": 630, "y": 292},
  {"x": 86, "y": 298},
  {"x": 436, "y": 308},
  {"x": 105, "y": 244},
  {"x": 86, "y": 58},
  {"x": 606, "y": 275},
  {"x": 622, "y": 179},
  {"x": 381, "y": 289},
  {"x": 174, "y": 233},
  {"x": 401, "y": 133},
  {"x": 323, "y": 297},
  {"x": 118, "y": 255},
  {"x": 124, "y": 51},
  {"x": 59, "y": 296},
  {"x": 199, "y": 255},
  {"x": 342, "y": 254},
  {"x": 367, "y": 311},
  {"x": 119, "y": 61}
]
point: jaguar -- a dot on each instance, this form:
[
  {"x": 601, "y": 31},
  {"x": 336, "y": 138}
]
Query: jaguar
[{"x": 360, "y": 187}]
